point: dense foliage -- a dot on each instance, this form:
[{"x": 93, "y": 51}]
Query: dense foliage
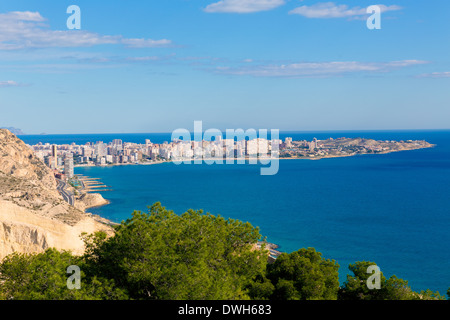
[
  {"x": 43, "y": 277},
  {"x": 301, "y": 275},
  {"x": 161, "y": 255},
  {"x": 355, "y": 287}
]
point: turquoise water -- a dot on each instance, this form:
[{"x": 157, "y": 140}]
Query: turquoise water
[{"x": 393, "y": 209}]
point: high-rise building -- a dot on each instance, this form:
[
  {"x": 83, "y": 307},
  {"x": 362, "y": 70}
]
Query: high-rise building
[
  {"x": 50, "y": 162},
  {"x": 54, "y": 156},
  {"x": 101, "y": 149},
  {"x": 251, "y": 147},
  {"x": 68, "y": 166},
  {"x": 313, "y": 145},
  {"x": 263, "y": 146},
  {"x": 117, "y": 142},
  {"x": 288, "y": 142},
  {"x": 87, "y": 152}
]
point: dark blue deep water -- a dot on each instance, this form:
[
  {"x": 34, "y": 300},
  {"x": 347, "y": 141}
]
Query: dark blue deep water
[{"x": 393, "y": 209}]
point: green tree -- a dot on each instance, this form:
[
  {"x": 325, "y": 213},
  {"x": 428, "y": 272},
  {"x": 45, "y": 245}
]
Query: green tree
[
  {"x": 304, "y": 275},
  {"x": 261, "y": 288},
  {"x": 43, "y": 277},
  {"x": 161, "y": 255},
  {"x": 394, "y": 288},
  {"x": 428, "y": 295},
  {"x": 355, "y": 287}
]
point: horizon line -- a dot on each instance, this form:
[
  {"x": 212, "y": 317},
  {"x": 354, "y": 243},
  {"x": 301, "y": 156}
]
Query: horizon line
[{"x": 285, "y": 131}]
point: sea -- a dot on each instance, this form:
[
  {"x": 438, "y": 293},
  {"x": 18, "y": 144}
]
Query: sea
[{"x": 392, "y": 209}]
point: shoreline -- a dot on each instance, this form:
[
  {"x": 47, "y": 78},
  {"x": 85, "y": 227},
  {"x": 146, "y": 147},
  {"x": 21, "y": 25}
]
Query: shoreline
[
  {"x": 98, "y": 217},
  {"x": 247, "y": 159}
]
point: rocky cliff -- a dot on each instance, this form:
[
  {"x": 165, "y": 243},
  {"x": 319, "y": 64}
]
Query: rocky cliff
[
  {"x": 33, "y": 215},
  {"x": 90, "y": 200}
]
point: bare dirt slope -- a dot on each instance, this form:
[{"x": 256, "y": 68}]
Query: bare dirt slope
[{"x": 33, "y": 215}]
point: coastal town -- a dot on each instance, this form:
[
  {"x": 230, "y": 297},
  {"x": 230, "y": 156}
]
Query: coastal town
[
  {"x": 344, "y": 147},
  {"x": 63, "y": 158}
]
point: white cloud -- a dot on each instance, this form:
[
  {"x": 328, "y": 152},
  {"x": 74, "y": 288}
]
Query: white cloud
[
  {"x": 436, "y": 75},
  {"x": 243, "y": 6},
  {"x": 24, "y": 16},
  {"x": 143, "y": 59},
  {"x": 326, "y": 10},
  {"x": 150, "y": 58},
  {"x": 146, "y": 43},
  {"x": 9, "y": 83},
  {"x": 317, "y": 69},
  {"x": 23, "y": 30}
]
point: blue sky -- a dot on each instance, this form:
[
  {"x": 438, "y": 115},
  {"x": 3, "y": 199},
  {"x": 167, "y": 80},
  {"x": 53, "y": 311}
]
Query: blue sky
[{"x": 155, "y": 66}]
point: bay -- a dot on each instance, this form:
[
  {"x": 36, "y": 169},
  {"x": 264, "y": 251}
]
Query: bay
[{"x": 393, "y": 209}]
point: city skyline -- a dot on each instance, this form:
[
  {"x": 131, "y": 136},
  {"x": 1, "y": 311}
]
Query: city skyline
[{"x": 290, "y": 65}]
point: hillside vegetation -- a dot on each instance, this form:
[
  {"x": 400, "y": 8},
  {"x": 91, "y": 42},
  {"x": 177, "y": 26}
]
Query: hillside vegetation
[{"x": 193, "y": 256}]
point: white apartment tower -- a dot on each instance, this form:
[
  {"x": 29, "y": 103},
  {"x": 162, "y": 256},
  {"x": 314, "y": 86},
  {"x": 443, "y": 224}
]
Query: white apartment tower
[{"x": 68, "y": 166}]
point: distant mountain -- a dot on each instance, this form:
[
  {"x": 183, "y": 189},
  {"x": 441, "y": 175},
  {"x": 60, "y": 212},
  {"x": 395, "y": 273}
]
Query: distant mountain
[{"x": 13, "y": 130}]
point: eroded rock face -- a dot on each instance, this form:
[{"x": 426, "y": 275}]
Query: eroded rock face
[
  {"x": 90, "y": 200},
  {"x": 33, "y": 215},
  {"x": 19, "y": 161}
]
